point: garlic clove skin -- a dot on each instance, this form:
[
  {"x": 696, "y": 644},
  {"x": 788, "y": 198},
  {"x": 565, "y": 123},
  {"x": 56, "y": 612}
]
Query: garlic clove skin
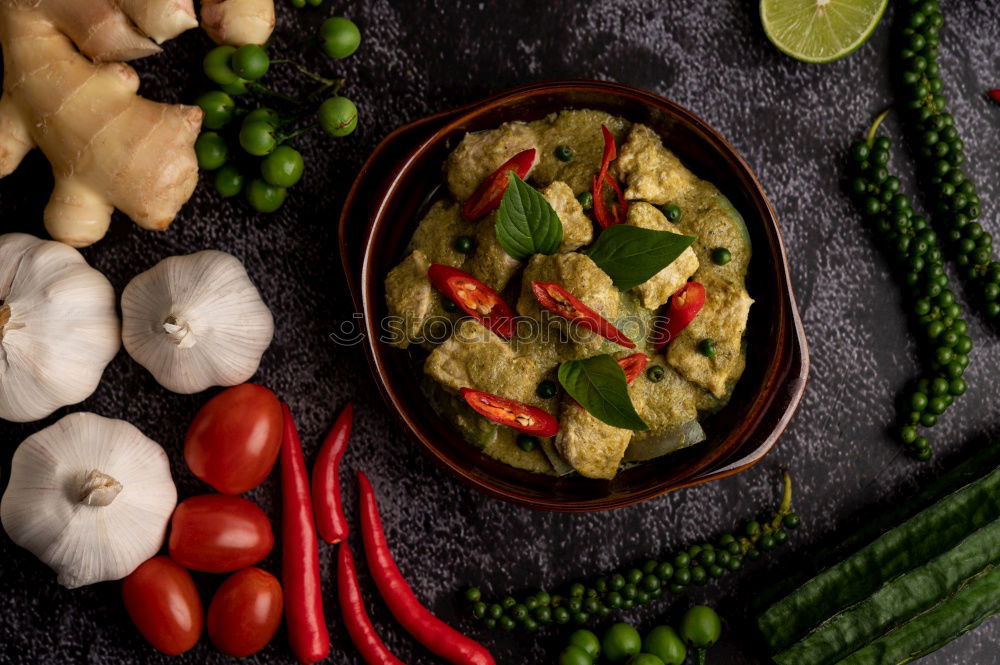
[
  {"x": 196, "y": 321},
  {"x": 58, "y": 327},
  {"x": 89, "y": 496}
]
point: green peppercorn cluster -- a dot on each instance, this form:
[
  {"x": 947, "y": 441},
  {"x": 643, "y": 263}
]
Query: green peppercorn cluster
[
  {"x": 265, "y": 165},
  {"x": 913, "y": 248},
  {"x": 951, "y": 195},
  {"x": 582, "y": 602}
]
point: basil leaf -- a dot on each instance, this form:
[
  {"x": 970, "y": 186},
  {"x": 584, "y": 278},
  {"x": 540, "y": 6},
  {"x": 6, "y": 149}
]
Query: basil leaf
[
  {"x": 631, "y": 255},
  {"x": 526, "y": 223},
  {"x": 598, "y": 384}
]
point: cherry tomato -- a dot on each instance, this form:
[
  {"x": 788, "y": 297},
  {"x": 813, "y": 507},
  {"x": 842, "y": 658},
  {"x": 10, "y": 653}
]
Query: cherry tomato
[
  {"x": 245, "y": 612},
  {"x": 164, "y": 605},
  {"x": 214, "y": 533},
  {"x": 234, "y": 440}
]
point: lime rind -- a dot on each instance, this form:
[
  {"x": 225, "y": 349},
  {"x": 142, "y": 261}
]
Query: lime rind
[{"x": 820, "y": 31}]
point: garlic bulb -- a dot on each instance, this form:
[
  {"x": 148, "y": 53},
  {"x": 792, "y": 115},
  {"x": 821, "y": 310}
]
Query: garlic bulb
[
  {"x": 90, "y": 497},
  {"x": 196, "y": 321},
  {"x": 58, "y": 327}
]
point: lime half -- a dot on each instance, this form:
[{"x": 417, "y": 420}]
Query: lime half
[{"x": 820, "y": 30}]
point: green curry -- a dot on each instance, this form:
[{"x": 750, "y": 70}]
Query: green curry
[{"x": 679, "y": 382}]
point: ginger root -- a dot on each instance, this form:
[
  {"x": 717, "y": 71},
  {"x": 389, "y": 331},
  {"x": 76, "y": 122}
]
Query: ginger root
[
  {"x": 109, "y": 148},
  {"x": 238, "y": 22}
]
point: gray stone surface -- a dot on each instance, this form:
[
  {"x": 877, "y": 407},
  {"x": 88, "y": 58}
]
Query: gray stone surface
[{"x": 791, "y": 121}]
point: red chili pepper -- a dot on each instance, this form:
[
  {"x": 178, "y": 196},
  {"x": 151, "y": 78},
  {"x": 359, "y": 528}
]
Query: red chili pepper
[
  {"x": 441, "y": 639},
  {"x": 633, "y": 365},
  {"x": 520, "y": 416},
  {"x": 619, "y": 212},
  {"x": 487, "y": 196},
  {"x": 475, "y": 298},
  {"x": 557, "y": 299},
  {"x": 994, "y": 95},
  {"x": 327, "y": 503},
  {"x": 684, "y": 306},
  {"x": 352, "y": 605},
  {"x": 300, "y": 553}
]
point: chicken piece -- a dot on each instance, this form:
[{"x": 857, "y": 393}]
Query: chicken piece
[
  {"x": 595, "y": 449},
  {"x": 481, "y": 153},
  {"x": 658, "y": 289},
  {"x": 476, "y": 358},
  {"x": 723, "y": 318},
  {"x": 436, "y": 233},
  {"x": 578, "y": 230},
  {"x": 489, "y": 262},
  {"x": 649, "y": 171},
  {"x": 667, "y": 403},
  {"x": 409, "y": 297},
  {"x": 580, "y": 131}
]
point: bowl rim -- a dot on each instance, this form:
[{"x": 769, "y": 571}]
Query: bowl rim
[{"x": 440, "y": 125}]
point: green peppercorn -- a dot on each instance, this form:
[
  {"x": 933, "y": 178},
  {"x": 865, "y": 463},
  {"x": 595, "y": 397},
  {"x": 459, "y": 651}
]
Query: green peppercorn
[
  {"x": 479, "y": 610},
  {"x": 508, "y": 602},
  {"x": 665, "y": 571},
  {"x": 473, "y": 595},
  {"x": 563, "y": 153},
  {"x": 560, "y": 615},
  {"x": 672, "y": 212},
  {"x": 586, "y": 200},
  {"x": 721, "y": 256},
  {"x": 577, "y": 590},
  {"x": 546, "y": 389},
  {"x": 448, "y": 305},
  {"x": 526, "y": 442},
  {"x": 655, "y": 373},
  {"x": 634, "y": 576},
  {"x": 791, "y": 521},
  {"x": 464, "y": 244},
  {"x": 707, "y": 347}
]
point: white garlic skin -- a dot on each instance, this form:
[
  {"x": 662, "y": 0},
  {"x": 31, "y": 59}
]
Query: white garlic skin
[
  {"x": 58, "y": 327},
  {"x": 196, "y": 321},
  {"x": 79, "y": 523}
]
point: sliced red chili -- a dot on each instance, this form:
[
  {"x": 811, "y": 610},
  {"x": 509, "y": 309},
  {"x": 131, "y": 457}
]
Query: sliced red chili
[
  {"x": 557, "y": 299},
  {"x": 684, "y": 306},
  {"x": 487, "y": 196},
  {"x": 619, "y": 211},
  {"x": 475, "y": 298},
  {"x": 633, "y": 365},
  {"x": 520, "y": 416}
]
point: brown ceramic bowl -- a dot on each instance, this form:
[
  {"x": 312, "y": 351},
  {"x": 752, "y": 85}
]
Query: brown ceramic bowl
[{"x": 383, "y": 209}]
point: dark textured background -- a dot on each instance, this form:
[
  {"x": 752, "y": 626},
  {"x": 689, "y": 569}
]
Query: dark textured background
[{"x": 792, "y": 122}]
